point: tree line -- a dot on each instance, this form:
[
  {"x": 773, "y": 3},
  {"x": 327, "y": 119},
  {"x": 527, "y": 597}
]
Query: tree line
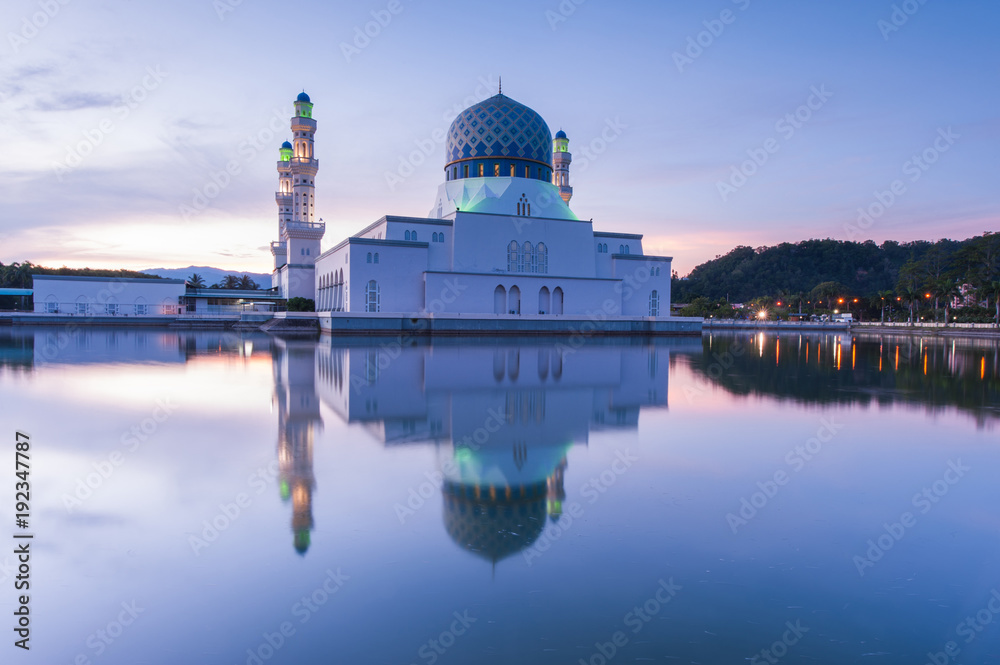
[{"x": 891, "y": 281}]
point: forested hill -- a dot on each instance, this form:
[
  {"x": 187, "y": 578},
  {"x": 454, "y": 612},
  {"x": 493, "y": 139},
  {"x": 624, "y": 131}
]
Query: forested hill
[{"x": 864, "y": 268}]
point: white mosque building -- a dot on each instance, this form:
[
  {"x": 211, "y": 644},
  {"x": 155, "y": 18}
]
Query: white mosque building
[{"x": 500, "y": 241}]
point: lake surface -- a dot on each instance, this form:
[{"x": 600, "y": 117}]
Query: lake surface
[{"x": 207, "y": 497}]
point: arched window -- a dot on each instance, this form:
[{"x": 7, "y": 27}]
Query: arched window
[
  {"x": 376, "y": 257},
  {"x": 406, "y": 236},
  {"x": 514, "y": 300},
  {"x": 544, "y": 300},
  {"x": 542, "y": 258},
  {"x": 527, "y": 261},
  {"x": 499, "y": 300},
  {"x": 371, "y": 296},
  {"x": 654, "y": 303},
  {"x": 513, "y": 256},
  {"x": 369, "y": 257}
]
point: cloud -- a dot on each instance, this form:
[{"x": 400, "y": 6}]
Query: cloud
[{"x": 75, "y": 101}]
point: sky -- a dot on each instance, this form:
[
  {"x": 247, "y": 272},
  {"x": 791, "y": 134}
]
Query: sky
[{"x": 142, "y": 134}]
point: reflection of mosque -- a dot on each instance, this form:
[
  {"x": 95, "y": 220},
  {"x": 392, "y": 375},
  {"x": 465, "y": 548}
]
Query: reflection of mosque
[
  {"x": 298, "y": 420},
  {"x": 503, "y": 418}
]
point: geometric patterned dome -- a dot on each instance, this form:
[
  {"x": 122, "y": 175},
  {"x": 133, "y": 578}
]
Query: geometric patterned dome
[
  {"x": 499, "y": 127},
  {"x": 498, "y": 526}
]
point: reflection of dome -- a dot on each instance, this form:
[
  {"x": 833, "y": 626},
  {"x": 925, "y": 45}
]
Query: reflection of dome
[
  {"x": 303, "y": 97},
  {"x": 302, "y": 541},
  {"x": 494, "y": 522},
  {"x": 499, "y": 127}
]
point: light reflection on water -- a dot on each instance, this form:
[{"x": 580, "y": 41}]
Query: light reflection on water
[{"x": 518, "y": 501}]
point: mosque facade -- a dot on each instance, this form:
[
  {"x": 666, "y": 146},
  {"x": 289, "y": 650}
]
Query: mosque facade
[{"x": 500, "y": 239}]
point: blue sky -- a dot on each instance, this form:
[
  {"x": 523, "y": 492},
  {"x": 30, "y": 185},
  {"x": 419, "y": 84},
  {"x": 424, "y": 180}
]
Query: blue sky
[{"x": 116, "y": 115}]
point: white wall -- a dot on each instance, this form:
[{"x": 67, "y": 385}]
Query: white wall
[
  {"x": 474, "y": 294},
  {"x": 100, "y": 296},
  {"x": 481, "y": 242},
  {"x": 638, "y": 283}
]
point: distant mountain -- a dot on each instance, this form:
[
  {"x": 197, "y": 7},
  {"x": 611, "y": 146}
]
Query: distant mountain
[{"x": 210, "y": 275}]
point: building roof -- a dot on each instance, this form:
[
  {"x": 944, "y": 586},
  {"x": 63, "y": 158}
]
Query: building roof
[
  {"x": 499, "y": 127},
  {"x": 136, "y": 280}
]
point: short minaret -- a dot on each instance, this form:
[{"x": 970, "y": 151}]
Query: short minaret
[
  {"x": 299, "y": 233},
  {"x": 561, "y": 159}
]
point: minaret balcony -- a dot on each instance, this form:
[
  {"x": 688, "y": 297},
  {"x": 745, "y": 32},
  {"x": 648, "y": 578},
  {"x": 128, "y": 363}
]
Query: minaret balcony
[{"x": 303, "y": 229}]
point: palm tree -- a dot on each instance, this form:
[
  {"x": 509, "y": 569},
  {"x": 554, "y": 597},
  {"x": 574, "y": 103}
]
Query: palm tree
[
  {"x": 885, "y": 295},
  {"x": 911, "y": 296},
  {"x": 196, "y": 281},
  {"x": 247, "y": 283}
]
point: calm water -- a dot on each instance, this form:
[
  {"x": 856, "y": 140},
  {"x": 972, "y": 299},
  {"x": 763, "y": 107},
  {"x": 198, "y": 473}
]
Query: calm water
[{"x": 215, "y": 498}]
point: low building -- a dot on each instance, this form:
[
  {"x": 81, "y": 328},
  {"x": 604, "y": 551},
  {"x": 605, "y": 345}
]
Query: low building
[{"x": 107, "y": 296}]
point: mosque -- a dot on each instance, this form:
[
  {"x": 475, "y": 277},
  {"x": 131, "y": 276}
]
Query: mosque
[{"x": 500, "y": 240}]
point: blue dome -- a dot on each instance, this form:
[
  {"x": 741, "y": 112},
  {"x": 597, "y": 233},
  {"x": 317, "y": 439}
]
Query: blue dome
[
  {"x": 499, "y": 127},
  {"x": 561, "y": 135},
  {"x": 303, "y": 97},
  {"x": 286, "y": 146}
]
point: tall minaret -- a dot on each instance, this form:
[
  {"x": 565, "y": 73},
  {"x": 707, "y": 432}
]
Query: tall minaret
[
  {"x": 561, "y": 159},
  {"x": 299, "y": 233}
]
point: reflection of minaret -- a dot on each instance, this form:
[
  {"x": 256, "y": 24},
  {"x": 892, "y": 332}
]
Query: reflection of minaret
[
  {"x": 298, "y": 416},
  {"x": 556, "y": 492}
]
